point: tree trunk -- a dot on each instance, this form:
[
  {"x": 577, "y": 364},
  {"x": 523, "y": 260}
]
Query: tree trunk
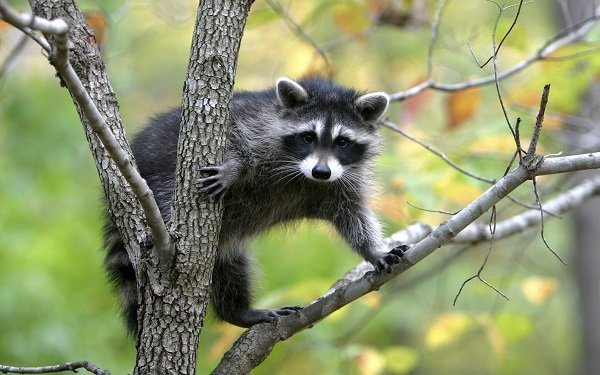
[
  {"x": 173, "y": 296},
  {"x": 587, "y": 258},
  {"x": 173, "y": 317},
  {"x": 124, "y": 208},
  {"x": 586, "y": 225}
]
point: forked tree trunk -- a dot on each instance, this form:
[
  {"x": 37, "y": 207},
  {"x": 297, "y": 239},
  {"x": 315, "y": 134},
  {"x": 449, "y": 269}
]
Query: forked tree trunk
[
  {"x": 173, "y": 296},
  {"x": 173, "y": 318}
]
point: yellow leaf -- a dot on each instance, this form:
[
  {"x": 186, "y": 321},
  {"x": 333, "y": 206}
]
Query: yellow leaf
[
  {"x": 229, "y": 334},
  {"x": 494, "y": 335},
  {"x": 461, "y": 106},
  {"x": 539, "y": 289},
  {"x": 455, "y": 188},
  {"x": 370, "y": 362},
  {"x": 352, "y": 18},
  {"x": 97, "y": 20},
  {"x": 514, "y": 326},
  {"x": 393, "y": 206},
  {"x": 372, "y": 300},
  {"x": 493, "y": 144},
  {"x": 446, "y": 329}
]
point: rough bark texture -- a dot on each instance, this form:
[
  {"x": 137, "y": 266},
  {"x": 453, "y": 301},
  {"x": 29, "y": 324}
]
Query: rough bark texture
[
  {"x": 84, "y": 56},
  {"x": 173, "y": 302},
  {"x": 173, "y": 317}
]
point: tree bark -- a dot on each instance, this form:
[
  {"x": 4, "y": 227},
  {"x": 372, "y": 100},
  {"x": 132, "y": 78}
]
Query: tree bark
[
  {"x": 172, "y": 318},
  {"x": 173, "y": 297},
  {"x": 84, "y": 55},
  {"x": 586, "y": 226}
]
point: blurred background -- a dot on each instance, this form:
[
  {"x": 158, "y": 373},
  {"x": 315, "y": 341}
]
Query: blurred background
[{"x": 57, "y": 306}]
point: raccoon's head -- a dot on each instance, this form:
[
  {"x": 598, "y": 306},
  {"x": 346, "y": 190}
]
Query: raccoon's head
[{"x": 329, "y": 130}]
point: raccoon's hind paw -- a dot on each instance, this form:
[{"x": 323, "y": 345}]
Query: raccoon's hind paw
[
  {"x": 251, "y": 317},
  {"x": 218, "y": 181},
  {"x": 394, "y": 256}
]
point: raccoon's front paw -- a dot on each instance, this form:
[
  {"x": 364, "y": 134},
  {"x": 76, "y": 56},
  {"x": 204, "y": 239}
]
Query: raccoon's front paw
[
  {"x": 218, "y": 181},
  {"x": 394, "y": 256}
]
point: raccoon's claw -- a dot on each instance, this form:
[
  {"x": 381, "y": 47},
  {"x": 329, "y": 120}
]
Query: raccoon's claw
[
  {"x": 284, "y": 310},
  {"x": 215, "y": 184},
  {"x": 251, "y": 317},
  {"x": 392, "y": 257}
]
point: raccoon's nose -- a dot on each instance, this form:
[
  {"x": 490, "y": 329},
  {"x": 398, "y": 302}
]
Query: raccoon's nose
[{"x": 321, "y": 172}]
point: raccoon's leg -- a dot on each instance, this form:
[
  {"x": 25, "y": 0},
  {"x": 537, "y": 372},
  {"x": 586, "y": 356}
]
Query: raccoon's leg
[
  {"x": 231, "y": 295},
  {"x": 362, "y": 231}
]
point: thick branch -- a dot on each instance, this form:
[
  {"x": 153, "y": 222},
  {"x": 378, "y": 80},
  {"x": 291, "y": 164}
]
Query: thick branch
[
  {"x": 59, "y": 57},
  {"x": 85, "y": 67},
  {"x": 259, "y": 339}
]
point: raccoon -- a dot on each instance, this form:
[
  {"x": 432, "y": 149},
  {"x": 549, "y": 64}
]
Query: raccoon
[{"x": 300, "y": 150}]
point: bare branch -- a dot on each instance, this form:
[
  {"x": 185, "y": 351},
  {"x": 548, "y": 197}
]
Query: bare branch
[
  {"x": 559, "y": 40},
  {"x": 537, "y": 129},
  {"x": 59, "y": 58},
  {"x": 390, "y": 125},
  {"x": 494, "y": 58},
  {"x": 478, "y": 275},
  {"x": 497, "y": 48},
  {"x": 69, "y": 366},
  {"x": 435, "y": 29},
  {"x": 22, "y": 20},
  {"x": 279, "y": 9},
  {"x": 433, "y": 211},
  {"x": 12, "y": 56},
  {"x": 541, "y": 212},
  {"x": 255, "y": 343}
]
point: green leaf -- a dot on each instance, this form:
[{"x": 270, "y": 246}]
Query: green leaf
[
  {"x": 513, "y": 326},
  {"x": 401, "y": 359},
  {"x": 261, "y": 16}
]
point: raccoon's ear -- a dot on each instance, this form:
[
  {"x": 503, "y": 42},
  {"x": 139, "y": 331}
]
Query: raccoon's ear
[
  {"x": 372, "y": 106},
  {"x": 290, "y": 93}
]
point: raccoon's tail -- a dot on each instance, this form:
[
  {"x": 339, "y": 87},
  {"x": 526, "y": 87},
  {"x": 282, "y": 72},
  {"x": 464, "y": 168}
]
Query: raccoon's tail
[{"x": 121, "y": 274}]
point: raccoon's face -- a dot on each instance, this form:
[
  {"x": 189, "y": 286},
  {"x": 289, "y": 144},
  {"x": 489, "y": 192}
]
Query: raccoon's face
[{"x": 330, "y": 130}]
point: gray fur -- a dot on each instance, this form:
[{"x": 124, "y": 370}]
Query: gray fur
[{"x": 272, "y": 132}]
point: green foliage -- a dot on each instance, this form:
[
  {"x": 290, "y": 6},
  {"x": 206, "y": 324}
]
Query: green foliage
[{"x": 56, "y": 305}]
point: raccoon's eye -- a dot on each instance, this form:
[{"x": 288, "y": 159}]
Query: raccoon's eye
[
  {"x": 308, "y": 137},
  {"x": 342, "y": 142}
]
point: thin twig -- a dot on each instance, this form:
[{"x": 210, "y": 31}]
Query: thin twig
[
  {"x": 539, "y": 203},
  {"x": 435, "y": 29},
  {"x": 390, "y": 125},
  {"x": 443, "y": 156},
  {"x": 14, "y": 53},
  {"x": 69, "y": 366},
  {"x": 575, "y": 55},
  {"x": 432, "y": 211},
  {"x": 497, "y": 49},
  {"x": 557, "y": 41},
  {"x": 279, "y": 9},
  {"x": 478, "y": 275},
  {"x": 537, "y": 129},
  {"x": 25, "y": 22}
]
